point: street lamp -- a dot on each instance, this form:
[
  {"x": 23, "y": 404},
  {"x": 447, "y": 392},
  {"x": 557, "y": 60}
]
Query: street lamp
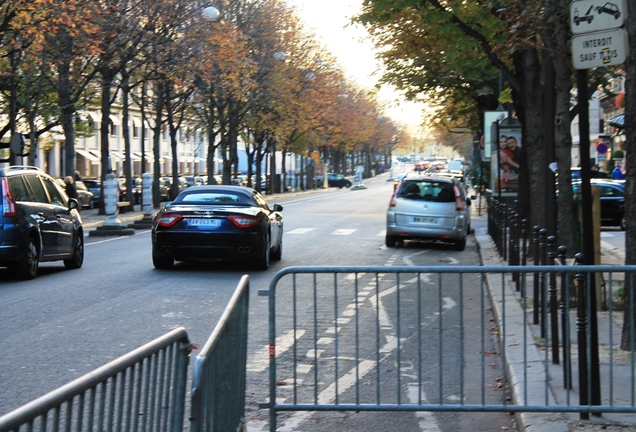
[{"x": 210, "y": 13}]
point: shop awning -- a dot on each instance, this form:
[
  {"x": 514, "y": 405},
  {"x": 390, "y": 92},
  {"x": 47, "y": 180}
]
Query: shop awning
[
  {"x": 86, "y": 155},
  {"x": 116, "y": 155},
  {"x": 97, "y": 117},
  {"x": 618, "y": 121}
]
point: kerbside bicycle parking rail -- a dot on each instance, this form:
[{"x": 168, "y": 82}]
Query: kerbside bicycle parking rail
[
  {"x": 408, "y": 338},
  {"x": 146, "y": 390}
]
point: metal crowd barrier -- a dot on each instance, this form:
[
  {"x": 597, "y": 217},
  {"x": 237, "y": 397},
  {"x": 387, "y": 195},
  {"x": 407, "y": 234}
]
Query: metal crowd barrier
[
  {"x": 218, "y": 384},
  {"x": 145, "y": 390},
  {"x": 141, "y": 391},
  {"x": 331, "y": 329}
]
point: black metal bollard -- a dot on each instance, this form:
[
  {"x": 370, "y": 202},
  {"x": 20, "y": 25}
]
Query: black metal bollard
[
  {"x": 491, "y": 212},
  {"x": 565, "y": 324},
  {"x": 524, "y": 252},
  {"x": 581, "y": 333},
  {"x": 504, "y": 232},
  {"x": 543, "y": 286},
  {"x": 552, "y": 295},
  {"x": 516, "y": 251},
  {"x": 537, "y": 261}
]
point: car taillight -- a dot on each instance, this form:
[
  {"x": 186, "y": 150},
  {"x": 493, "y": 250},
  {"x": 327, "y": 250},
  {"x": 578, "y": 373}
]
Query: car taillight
[
  {"x": 459, "y": 202},
  {"x": 392, "y": 202},
  {"x": 9, "y": 207},
  {"x": 168, "y": 220},
  {"x": 243, "y": 221}
]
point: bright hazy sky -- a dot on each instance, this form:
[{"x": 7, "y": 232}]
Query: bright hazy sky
[{"x": 330, "y": 19}]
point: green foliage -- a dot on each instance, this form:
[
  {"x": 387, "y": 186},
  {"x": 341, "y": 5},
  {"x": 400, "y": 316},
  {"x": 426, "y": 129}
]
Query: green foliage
[
  {"x": 428, "y": 56},
  {"x": 618, "y": 154},
  {"x": 473, "y": 175}
]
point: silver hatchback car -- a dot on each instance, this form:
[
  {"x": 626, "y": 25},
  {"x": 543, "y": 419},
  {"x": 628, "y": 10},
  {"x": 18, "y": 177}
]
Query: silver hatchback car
[{"x": 428, "y": 208}]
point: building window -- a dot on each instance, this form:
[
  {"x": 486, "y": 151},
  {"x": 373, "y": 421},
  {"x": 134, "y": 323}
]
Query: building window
[{"x": 114, "y": 129}]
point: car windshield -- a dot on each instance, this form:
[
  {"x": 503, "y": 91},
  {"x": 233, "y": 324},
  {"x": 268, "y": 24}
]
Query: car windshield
[
  {"x": 428, "y": 191},
  {"x": 213, "y": 198}
]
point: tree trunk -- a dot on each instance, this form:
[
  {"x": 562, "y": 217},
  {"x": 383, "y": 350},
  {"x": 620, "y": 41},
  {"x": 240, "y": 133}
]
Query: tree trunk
[
  {"x": 126, "y": 133},
  {"x": 530, "y": 107},
  {"x": 67, "y": 108},
  {"x": 566, "y": 218},
  {"x": 107, "y": 79},
  {"x": 156, "y": 149}
]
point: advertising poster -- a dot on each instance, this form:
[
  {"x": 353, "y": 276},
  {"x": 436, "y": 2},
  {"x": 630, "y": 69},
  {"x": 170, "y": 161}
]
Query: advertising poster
[{"x": 506, "y": 160}]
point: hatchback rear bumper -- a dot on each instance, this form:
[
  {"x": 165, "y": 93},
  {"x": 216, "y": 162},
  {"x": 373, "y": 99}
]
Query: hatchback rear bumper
[{"x": 426, "y": 233}]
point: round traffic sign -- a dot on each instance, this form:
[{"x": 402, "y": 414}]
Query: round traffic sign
[{"x": 601, "y": 147}]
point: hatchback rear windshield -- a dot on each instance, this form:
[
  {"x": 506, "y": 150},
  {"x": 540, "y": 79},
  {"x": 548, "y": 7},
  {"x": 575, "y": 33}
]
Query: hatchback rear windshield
[{"x": 427, "y": 191}]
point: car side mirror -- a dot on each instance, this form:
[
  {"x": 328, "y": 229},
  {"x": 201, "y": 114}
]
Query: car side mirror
[
  {"x": 73, "y": 204},
  {"x": 277, "y": 208}
]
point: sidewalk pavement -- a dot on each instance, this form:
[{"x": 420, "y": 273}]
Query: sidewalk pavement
[{"x": 536, "y": 367}]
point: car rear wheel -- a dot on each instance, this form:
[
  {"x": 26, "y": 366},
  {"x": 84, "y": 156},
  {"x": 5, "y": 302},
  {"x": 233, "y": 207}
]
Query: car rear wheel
[
  {"x": 390, "y": 241},
  {"x": 623, "y": 224},
  {"x": 27, "y": 268},
  {"x": 262, "y": 262},
  {"x": 162, "y": 263},
  {"x": 460, "y": 245},
  {"x": 77, "y": 259},
  {"x": 277, "y": 254}
]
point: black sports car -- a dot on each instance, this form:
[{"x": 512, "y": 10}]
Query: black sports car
[{"x": 218, "y": 222}]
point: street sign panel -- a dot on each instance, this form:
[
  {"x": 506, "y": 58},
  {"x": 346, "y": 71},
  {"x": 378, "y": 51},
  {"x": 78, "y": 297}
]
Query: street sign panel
[
  {"x": 595, "y": 15},
  {"x": 607, "y": 48}
]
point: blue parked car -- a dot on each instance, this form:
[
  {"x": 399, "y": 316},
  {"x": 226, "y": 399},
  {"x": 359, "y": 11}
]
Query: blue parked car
[{"x": 38, "y": 222}]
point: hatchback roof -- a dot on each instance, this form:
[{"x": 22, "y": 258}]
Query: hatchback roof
[{"x": 4, "y": 171}]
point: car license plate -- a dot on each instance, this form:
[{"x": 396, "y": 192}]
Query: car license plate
[
  {"x": 207, "y": 223},
  {"x": 420, "y": 219}
]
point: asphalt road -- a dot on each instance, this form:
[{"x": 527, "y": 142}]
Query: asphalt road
[{"x": 67, "y": 323}]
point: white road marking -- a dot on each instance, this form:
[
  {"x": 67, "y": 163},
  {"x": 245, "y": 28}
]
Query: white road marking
[
  {"x": 426, "y": 420},
  {"x": 314, "y": 354},
  {"x": 260, "y": 362},
  {"x": 300, "y": 231},
  {"x": 328, "y": 395},
  {"x": 343, "y": 232}
]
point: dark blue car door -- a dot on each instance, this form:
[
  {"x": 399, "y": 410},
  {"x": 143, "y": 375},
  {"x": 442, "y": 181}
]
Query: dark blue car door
[{"x": 41, "y": 212}]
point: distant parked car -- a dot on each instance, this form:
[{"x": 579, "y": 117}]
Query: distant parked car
[
  {"x": 94, "y": 185},
  {"x": 38, "y": 222},
  {"x": 334, "y": 180},
  {"x": 612, "y": 201},
  {"x": 85, "y": 197}
]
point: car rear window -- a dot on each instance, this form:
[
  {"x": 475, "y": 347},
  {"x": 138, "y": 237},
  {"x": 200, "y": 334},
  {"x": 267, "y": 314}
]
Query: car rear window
[
  {"x": 212, "y": 198},
  {"x": 428, "y": 191},
  {"x": 18, "y": 189},
  {"x": 37, "y": 187}
]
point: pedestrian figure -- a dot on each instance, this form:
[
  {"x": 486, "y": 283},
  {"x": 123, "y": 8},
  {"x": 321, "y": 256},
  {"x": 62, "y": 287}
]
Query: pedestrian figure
[
  {"x": 617, "y": 174},
  {"x": 71, "y": 191}
]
